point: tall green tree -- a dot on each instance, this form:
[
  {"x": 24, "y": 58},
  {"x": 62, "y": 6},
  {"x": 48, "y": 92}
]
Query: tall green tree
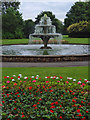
[
  {"x": 78, "y": 12},
  {"x": 28, "y": 28},
  {"x": 55, "y": 21},
  {"x": 12, "y": 3},
  {"x": 12, "y": 24}
]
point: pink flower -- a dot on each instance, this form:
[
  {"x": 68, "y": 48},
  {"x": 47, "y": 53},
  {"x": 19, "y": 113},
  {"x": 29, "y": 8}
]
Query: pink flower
[
  {"x": 47, "y": 81},
  {"x": 24, "y": 81},
  {"x": 8, "y": 81},
  {"x": 79, "y": 82},
  {"x": 1, "y": 105},
  {"x": 58, "y": 81},
  {"x": 34, "y": 81},
  {"x": 83, "y": 84},
  {"x": 67, "y": 82}
]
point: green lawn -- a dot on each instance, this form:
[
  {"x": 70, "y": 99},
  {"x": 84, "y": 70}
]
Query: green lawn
[
  {"x": 65, "y": 37},
  {"x": 15, "y": 41},
  {"x": 76, "y": 40},
  {"x": 74, "y": 72}
]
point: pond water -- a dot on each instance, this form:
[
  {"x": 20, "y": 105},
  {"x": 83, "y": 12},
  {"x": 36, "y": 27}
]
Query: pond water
[{"x": 57, "y": 49}]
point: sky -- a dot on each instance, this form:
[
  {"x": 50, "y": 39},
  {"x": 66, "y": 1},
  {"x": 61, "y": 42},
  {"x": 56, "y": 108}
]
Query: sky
[{"x": 31, "y": 8}]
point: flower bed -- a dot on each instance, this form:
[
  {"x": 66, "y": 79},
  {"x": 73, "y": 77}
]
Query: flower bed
[{"x": 51, "y": 98}]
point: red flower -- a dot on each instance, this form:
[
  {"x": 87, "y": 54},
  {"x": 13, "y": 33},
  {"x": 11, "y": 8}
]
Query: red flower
[
  {"x": 86, "y": 111},
  {"x": 74, "y": 101},
  {"x": 3, "y": 101},
  {"x": 80, "y": 106},
  {"x": 60, "y": 105},
  {"x": 78, "y": 110},
  {"x": 18, "y": 76},
  {"x": 56, "y": 103},
  {"x": 15, "y": 101},
  {"x": 51, "y": 91},
  {"x": 18, "y": 95},
  {"x": 11, "y": 77},
  {"x": 40, "y": 99},
  {"x": 34, "y": 105},
  {"x": 35, "y": 108},
  {"x": 30, "y": 88},
  {"x": 51, "y": 111},
  {"x": 5, "y": 77},
  {"x": 52, "y": 103},
  {"x": 15, "y": 83},
  {"x": 22, "y": 115},
  {"x": 52, "y": 107},
  {"x": 61, "y": 117},
  {"x": 73, "y": 93},
  {"x": 14, "y": 108},
  {"x": 43, "y": 86},
  {"x": 61, "y": 77},
  {"x": 79, "y": 115},
  {"x": 84, "y": 118},
  {"x": 23, "y": 93}
]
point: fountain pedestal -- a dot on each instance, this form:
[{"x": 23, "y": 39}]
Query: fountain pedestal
[{"x": 45, "y": 30}]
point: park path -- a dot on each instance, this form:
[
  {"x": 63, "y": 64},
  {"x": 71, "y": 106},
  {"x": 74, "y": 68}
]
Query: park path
[{"x": 43, "y": 64}]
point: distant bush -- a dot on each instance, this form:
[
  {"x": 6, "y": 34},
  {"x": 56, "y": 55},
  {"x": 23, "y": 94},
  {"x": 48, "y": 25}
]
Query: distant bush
[
  {"x": 8, "y": 35},
  {"x": 80, "y": 29}
]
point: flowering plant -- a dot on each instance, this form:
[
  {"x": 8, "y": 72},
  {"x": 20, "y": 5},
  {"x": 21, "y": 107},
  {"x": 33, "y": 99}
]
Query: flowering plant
[{"x": 41, "y": 99}]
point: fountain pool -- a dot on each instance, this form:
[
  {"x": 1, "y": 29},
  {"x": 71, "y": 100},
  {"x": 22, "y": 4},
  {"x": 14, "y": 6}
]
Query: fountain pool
[{"x": 57, "y": 49}]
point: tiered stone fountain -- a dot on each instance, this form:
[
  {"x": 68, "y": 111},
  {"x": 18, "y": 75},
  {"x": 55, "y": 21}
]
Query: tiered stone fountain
[{"x": 45, "y": 30}]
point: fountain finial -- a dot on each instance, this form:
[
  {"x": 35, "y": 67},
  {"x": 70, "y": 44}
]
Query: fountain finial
[{"x": 45, "y": 15}]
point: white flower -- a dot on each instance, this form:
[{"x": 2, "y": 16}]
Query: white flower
[
  {"x": 85, "y": 79},
  {"x": 25, "y": 77},
  {"x": 18, "y": 78},
  {"x": 79, "y": 81},
  {"x": 46, "y": 77},
  {"x": 20, "y": 75},
  {"x": 69, "y": 78},
  {"x": 7, "y": 76},
  {"x": 13, "y": 80},
  {"x": 51, "y": 77},
  {"x": 74, "y": 79},
  {"x": 57, "y": 77},
  {"x": 14, "y": 75},
  {"x": 37, "y": 75},
  {"x": 88, "y": 81},
  {"x": 32, "y": 77}
]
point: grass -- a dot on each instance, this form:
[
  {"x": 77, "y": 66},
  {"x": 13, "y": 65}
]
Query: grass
[
  {"x": 74, "y": 72},
  {"x": 76, "y": 40},
  {"x": 65, "y": 37},
  {"x": 15, "y": 41}
]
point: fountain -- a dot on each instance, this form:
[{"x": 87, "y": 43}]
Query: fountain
[{"x": 45, "y": 30}]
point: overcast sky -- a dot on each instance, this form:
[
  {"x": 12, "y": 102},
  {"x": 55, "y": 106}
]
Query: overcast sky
[{"x": 31, "y": 8}]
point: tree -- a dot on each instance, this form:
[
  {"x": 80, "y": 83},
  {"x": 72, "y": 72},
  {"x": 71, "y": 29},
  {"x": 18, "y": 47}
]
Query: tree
[
  {"x": 12, "y": 24},
  {"x": 55, "y": 21},
  {"x": 6, "y": 5},
  {"x": 28, "y": 28},
  {"x": 78, "y": 12}
]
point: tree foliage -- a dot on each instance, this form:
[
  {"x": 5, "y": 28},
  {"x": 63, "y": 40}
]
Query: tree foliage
[
  {"x": 6, "y": 5},
  {"x": 79, "y": 29},
  {"x": 78, "y": 12},
  {"x": 12, "y": 24},
  {"x": 55, "y": 21},
  {"x": 28, "y": 27}
]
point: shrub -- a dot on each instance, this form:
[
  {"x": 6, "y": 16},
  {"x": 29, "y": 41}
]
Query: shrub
[{"x": 79, "y": 29}]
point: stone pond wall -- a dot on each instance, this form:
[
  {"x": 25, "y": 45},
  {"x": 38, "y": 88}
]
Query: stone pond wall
[{"x": 44, "y": 58}]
